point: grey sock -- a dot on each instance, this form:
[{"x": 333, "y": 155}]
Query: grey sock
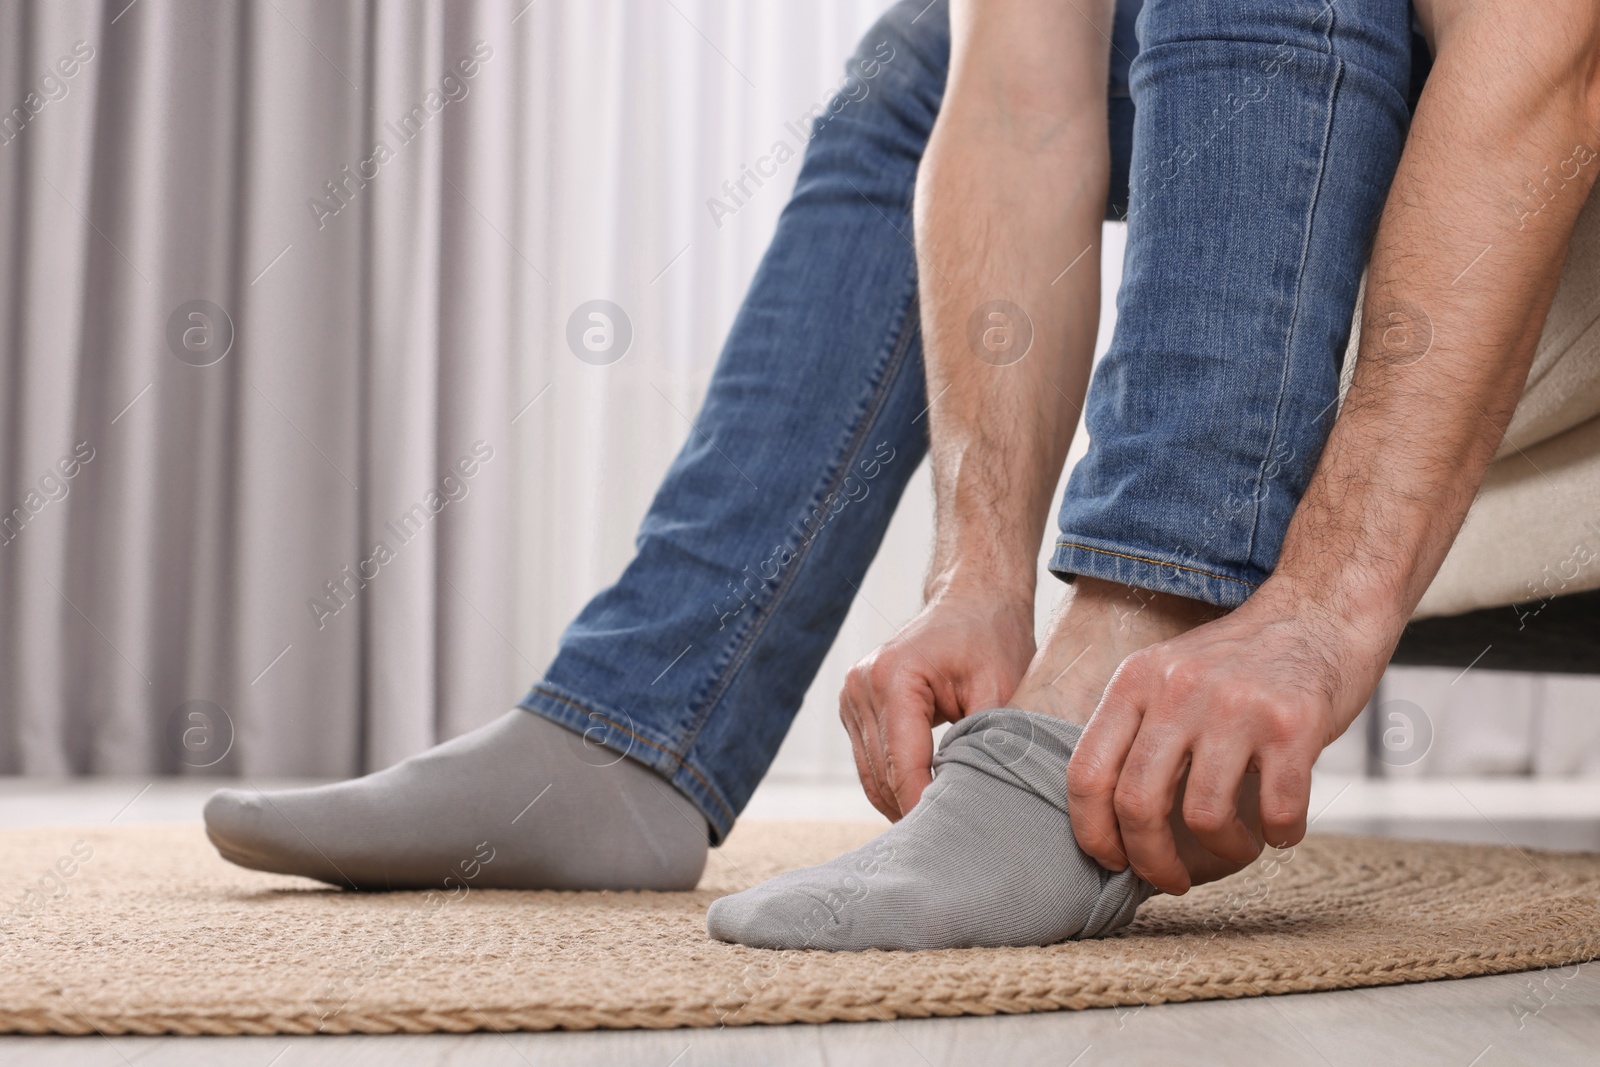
[
  {"x": 522, "y": 803},
  {"x": 986, "y": 858}
]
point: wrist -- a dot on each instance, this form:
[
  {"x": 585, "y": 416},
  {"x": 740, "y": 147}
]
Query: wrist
[
  {"x": 986, "y": 582},
  {"x": 1361, "y": 617}
]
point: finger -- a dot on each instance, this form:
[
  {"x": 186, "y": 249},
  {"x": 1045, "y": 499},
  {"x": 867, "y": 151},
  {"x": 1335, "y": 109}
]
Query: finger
[
  {"x": 1285, "y": 794},
  {"x": 849, "y": 713},
  {"x": 880, "y": 682},
  {"x": 1145, "y": 794},
  {"x": 905, "y": 728},
  {"x": 1096, "y": 762},
  {"x": 1249, "y": 804},
  {"x": 1211, "y": 802}
]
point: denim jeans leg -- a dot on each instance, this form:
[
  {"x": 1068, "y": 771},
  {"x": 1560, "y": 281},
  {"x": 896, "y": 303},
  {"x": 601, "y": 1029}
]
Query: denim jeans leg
[
  {"x": 1266, "y": 134},
  {"x": 696, "y": 660}
]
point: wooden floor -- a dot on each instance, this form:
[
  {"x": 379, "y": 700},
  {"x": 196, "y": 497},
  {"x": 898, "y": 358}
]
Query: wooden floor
[{"x": 1544, "y": 1019}]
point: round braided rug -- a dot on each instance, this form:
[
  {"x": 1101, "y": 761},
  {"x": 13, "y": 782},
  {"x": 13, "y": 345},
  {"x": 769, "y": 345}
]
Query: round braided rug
[{"x": 144, "y": 930}]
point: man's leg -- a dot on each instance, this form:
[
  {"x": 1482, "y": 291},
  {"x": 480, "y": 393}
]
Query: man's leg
[
  {"x": 691, "y": 667},
  {"x": 1249, "y": 229},
  {"x": 1261, "y": 162},
  {"x": 1265, "y": 138}
]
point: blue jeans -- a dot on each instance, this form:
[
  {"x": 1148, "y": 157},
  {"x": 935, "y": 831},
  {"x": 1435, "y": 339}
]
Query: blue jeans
[{"x": 1257, "y": 141}]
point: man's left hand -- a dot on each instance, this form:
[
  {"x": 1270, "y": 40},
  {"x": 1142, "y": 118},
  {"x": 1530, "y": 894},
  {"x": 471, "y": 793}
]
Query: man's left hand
[{"x": 1262, "y": 690}]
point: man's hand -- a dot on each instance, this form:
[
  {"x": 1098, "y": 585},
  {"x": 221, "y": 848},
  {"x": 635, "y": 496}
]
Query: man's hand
[
  {"x": 963, "y": 653},
  {"x": 1259, "y": 691}
]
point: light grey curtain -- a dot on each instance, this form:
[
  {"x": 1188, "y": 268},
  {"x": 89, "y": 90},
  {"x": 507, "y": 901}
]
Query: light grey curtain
[{"x": 258, "y": 352}]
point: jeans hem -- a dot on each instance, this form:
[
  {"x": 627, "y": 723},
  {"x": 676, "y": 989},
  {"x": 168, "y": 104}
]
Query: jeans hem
[
  {"x": 1144, "y": 569},
  {"x": 621, "y": 733}
]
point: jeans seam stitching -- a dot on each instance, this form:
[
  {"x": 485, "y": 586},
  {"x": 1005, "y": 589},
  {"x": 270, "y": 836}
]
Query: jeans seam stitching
[
  {"x": 874, "y": 407},
  {"x": 1299, "y": 290},
  {"x": 1154, "y": 562},
  {"x": 682, "y": 763}
]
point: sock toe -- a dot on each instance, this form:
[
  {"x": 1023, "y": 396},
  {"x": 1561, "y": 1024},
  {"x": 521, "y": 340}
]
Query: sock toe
[
  {"x": 729, "y": 919},
  {"x": 233, "y": 821},
  {"x": 754, "y": 917},
  {"x": 248, "y": 830},
  {"x": 233, "y": 818},
  {"x": 765, "y": 917}
]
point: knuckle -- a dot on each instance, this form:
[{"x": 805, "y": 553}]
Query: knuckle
[
  {"x": 1088, "y": 779},
  {"x": 1137, "y": 807},
  {"x": 1284, "y": 799},
  {"x": 1280, "y": 818},
  {"x": 879, "y": 673},
  {"x": 1134, "y": 671},
  {"x": 1281, "y": 723},
  {"x": 1183, "y": 676},
  {"x": 1284, "y": 795},
  {"x": 895, "y": 774},
  {"x": 856, "y": 674},
  {"x": 855, "y": 688},
  {"x": 1206, "y": 817}
]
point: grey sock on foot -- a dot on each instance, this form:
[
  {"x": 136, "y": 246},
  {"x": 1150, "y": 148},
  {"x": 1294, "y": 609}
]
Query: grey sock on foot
[
  {"x": 522, "y": 803},
  {"x": 986, "y": 858}
]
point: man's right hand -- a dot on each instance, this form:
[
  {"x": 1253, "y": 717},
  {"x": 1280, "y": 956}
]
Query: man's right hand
[{"x": 963, "y": 653}]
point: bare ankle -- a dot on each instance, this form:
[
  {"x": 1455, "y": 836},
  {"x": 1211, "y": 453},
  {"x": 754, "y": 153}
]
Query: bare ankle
[{"x": 1099, "y": 625}]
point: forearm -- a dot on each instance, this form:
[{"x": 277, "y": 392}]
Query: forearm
[
  {"x": 1466, "y": 261},
  {"x": 1010, "y": 198}
]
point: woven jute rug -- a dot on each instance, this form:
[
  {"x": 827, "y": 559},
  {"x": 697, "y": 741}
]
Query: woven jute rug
[{"x": 144, "y": 930}]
